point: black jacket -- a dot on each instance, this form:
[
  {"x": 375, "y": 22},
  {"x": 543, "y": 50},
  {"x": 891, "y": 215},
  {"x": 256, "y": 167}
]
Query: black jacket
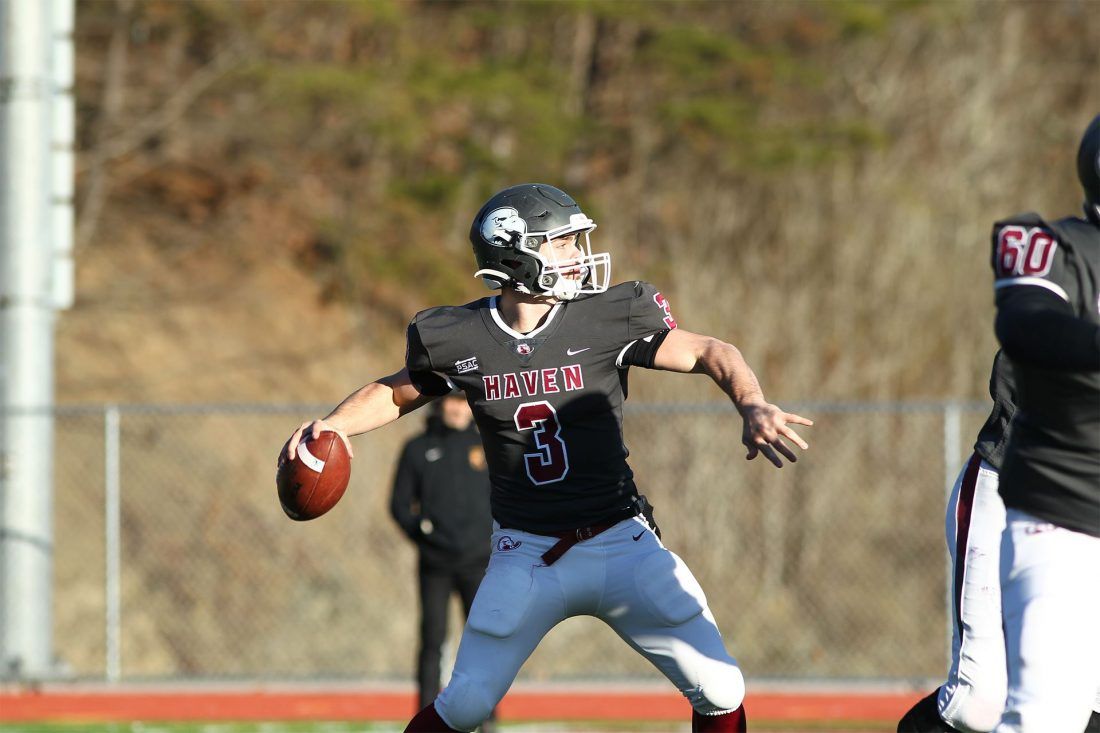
[{"x": 442, "y": 477}]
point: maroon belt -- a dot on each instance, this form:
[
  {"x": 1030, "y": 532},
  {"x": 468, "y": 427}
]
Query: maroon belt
[{"x": 571, "y": 537}]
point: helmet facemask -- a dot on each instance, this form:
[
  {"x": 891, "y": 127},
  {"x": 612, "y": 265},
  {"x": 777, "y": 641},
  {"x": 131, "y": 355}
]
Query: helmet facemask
[{"x": 566, "y": 278}]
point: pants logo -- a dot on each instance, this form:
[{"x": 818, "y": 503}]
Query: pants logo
[{"x": 506, "y": 544}]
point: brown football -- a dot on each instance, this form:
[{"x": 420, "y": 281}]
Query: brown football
[{"x": 314, "y": 481}]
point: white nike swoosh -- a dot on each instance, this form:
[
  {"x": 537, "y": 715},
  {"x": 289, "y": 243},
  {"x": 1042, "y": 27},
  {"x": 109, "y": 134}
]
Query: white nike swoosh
[{"x": 571, "y": 352}]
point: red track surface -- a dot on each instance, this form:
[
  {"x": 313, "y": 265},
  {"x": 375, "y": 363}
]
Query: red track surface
[{"x": 257, "y": 705}]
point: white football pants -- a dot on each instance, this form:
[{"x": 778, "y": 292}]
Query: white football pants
[
  {"x": 1051, "y": 603},
  {"x": 624, "y": 577},
  {"x": 973, "y": 696}
]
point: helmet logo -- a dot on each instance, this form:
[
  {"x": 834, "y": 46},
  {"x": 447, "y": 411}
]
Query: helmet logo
[
  {"x": 524, "y": 349},
  {"x": 503, "y": 227}
]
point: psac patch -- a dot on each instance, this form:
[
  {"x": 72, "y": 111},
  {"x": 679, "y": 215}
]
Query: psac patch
[{"x": 1024, "y": 252}]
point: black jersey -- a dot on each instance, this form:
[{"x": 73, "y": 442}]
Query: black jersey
[
  {"x": 994, "y": 435},
  {"x": 548, "y": 403},
  {"x": 1052, "y": 465}
]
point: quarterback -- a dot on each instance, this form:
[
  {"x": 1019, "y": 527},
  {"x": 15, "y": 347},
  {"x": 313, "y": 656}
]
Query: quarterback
[{"x": 544, "y": 367}]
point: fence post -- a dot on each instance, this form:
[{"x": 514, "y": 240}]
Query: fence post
[
  {"x": 952, "y": 439},
  {"x": 113, "y": 527}
]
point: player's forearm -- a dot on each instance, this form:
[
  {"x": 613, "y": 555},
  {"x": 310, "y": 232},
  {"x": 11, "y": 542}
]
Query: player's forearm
[
  {"x": 366, "y": 409},
  {"x": 376, "y": 404},
  {"x": 687, "y": 352},
  {"x": 725, "y": 364}
]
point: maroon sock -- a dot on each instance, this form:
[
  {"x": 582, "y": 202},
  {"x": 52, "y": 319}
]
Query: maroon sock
[
  {"x": 731, "y": 722},
  {"x": 428, "y": 721}
]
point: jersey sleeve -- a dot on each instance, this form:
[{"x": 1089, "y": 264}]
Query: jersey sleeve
[
  {"x": 418, "y": 361},
  {"x": 1027, "y": 253},
  {"x": 1040, "y": 299},
  {"x": 1036, "y": 327},
  {"x": 649, "y": 322},
  {"x": 649, "y": 312}
]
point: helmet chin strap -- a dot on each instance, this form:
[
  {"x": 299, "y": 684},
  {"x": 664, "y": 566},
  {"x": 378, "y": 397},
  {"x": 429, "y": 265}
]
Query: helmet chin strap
[{"x": 564, "y": 288}]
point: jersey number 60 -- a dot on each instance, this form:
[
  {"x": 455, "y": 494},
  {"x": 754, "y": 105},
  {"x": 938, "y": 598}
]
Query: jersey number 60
[
  {"x": 550, "y": 463},
  {"x": 1024, "y": 251}
]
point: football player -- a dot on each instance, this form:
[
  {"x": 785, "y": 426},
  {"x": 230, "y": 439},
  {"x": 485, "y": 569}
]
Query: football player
[
  {"x": 973, "y": 696},
  {"x": 544, "y": 367},
  {"x": 1048, "y": 322}
]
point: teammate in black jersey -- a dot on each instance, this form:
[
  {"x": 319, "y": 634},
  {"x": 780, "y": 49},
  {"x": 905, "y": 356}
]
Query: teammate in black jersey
[
  {"x": 1048, "y": 323},
  {"x": 544, "y": 367}
]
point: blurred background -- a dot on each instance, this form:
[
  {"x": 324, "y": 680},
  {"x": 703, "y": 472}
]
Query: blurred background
[{"x": 266, "y": 192}]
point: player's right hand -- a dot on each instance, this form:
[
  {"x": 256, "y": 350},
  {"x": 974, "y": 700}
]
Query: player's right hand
[
  {"x": 313, "y": 430},
  {"x": 766, "y": 426}
]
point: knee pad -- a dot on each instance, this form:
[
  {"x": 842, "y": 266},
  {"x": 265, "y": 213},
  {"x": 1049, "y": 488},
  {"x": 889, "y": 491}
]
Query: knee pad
[
  {"x": 978, "y": 714},
  {"x": 973, "y": 708},
  {"x": 464, "y": 705},
  {"x": 721, "y": 688}
]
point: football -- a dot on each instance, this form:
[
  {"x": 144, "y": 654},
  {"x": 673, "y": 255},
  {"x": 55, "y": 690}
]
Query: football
[{"x": 314, "y": 481}]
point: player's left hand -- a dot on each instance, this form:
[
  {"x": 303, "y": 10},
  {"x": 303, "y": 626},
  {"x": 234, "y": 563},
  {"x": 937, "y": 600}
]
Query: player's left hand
[{"x": 766, "y": 427}]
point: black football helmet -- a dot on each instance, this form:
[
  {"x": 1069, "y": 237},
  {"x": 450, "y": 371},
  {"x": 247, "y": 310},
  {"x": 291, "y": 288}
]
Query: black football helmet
[
  {"x": 1088, "y": 169},
  {"x": 509, "y": 231}
]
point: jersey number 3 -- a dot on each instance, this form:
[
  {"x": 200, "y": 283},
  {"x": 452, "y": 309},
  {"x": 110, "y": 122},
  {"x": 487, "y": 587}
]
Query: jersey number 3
[{"x": 550, "y": 463}]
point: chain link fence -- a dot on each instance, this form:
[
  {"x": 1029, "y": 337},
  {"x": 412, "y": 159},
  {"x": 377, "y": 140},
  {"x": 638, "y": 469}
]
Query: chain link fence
[{"x": 173, "y": 559}]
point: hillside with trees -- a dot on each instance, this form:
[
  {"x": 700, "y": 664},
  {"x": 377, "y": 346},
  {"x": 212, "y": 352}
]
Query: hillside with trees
[{"x": 268, "y": 191}]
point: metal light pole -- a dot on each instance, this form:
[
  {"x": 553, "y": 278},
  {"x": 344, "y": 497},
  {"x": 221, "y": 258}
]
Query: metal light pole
[{"x": 35, "y": 191}]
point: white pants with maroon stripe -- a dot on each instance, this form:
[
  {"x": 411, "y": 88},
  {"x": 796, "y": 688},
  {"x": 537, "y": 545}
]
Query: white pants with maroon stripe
[
  {"x": 1050, "y": 580},
  {"x": 973, "y": 696},
  {"x": 626, "y": 578}
]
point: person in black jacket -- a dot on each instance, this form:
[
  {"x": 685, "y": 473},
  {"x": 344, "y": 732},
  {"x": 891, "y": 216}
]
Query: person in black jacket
[{"x": 441, "y": 502}]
